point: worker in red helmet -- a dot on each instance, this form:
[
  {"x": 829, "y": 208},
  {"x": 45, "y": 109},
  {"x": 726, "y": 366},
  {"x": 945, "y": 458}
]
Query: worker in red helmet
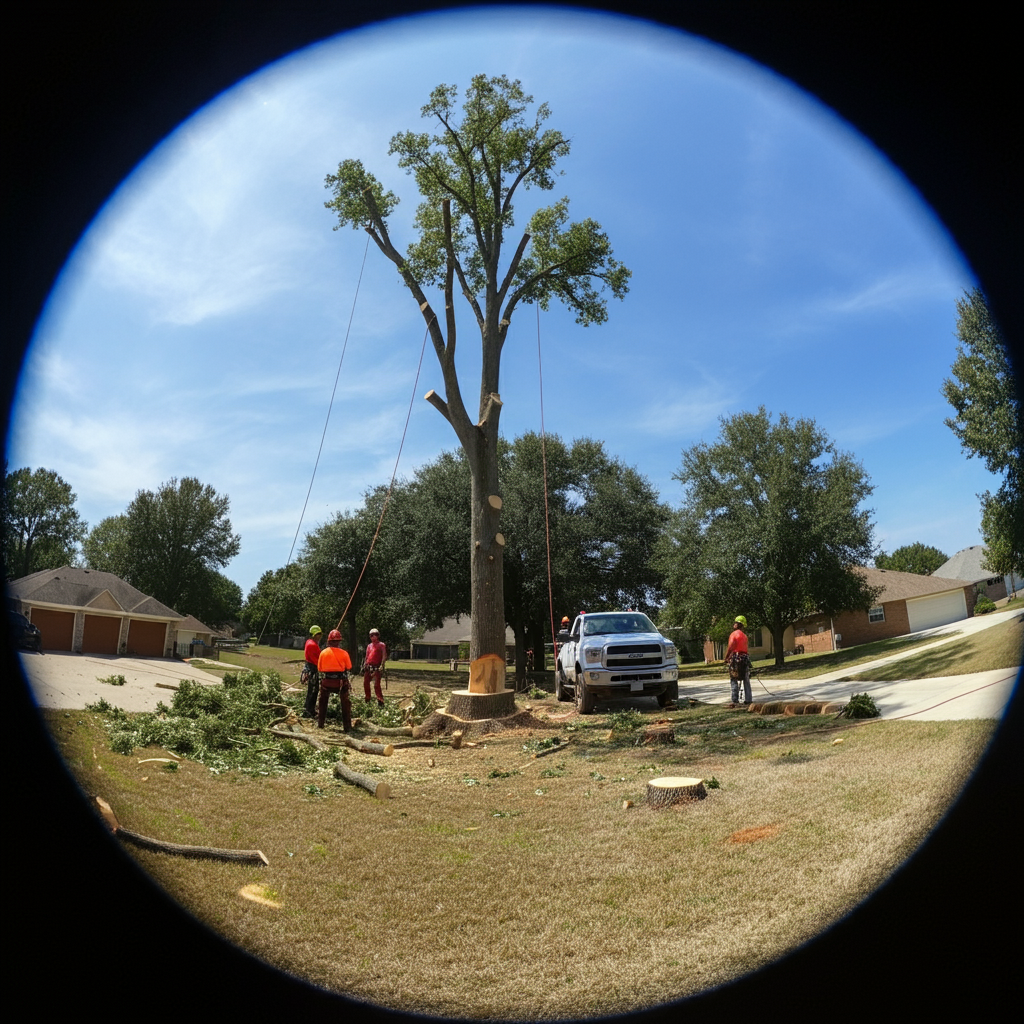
[
  {"x": 373, "y": 665},
  {"x": 334, "y": 666}
]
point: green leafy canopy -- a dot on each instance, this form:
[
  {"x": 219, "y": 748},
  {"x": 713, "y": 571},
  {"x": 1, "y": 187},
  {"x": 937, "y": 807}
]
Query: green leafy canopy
[{"x": 478, "y": 161}]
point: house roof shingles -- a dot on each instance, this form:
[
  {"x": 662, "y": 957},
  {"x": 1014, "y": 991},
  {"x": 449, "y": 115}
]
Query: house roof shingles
[
  {"x": 901, "y": 586},
  {"x": 79, "y": 588}
]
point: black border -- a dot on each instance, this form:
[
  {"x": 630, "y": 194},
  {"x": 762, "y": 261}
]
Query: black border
[{"x": 91, "y": 88}]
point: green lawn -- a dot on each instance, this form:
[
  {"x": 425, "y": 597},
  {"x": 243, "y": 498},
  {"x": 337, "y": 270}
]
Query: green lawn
[
  {"x": 805, "y": 666},
  {"x": 996, "y": 647},
  {"x": 565, "y": 894}
]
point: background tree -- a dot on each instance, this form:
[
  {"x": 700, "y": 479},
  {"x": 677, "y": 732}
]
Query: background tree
[
  {"x": 106, "y": 547},
  {"x": 468, "y": 174},
  {"x": 770, "y": 526},
  {"x": 605, "y": 519},
  {"x": 214, "y": 599},
  {"x": 989, "y": 423},
  {"x": 168, "y": 542},
  {"x": 42, "y": 528},
  {"x": 920, "y": 558},
  {"x": 276, "y": 603},
  {"x": 333, "y": 557}
]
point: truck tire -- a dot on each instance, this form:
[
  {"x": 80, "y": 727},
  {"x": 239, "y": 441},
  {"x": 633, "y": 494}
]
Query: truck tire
[
  {"x": 671, "y": 694},
  {"x": 560, "y": 693},
  {"x": 584, "y": 698}
]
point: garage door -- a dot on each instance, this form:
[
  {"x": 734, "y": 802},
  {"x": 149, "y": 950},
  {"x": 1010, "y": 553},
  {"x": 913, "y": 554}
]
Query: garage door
[
  {"x": 928, "y": 612},
  {"x": 146, "y": 638},
  {"x": 58, "y": 628},
  {"x": 100, "y": 634}
]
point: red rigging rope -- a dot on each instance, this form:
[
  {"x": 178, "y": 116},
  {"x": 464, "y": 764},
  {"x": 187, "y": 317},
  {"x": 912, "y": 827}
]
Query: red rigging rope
[
  {"x": 547, "y": 525},
  {"x": 394, "y": 473},
  {"x": 330, "y": 406}
]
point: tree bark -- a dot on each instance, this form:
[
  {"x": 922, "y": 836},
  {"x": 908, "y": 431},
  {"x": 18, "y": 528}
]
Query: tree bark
[
  {"x": 378, "y": 787},
  {"x": 666, "y": 791},
  {"x": 778, "y": 633}
]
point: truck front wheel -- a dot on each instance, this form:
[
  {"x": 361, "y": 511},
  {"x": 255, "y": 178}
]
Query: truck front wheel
[
  {"x": 671, "y": 694},
  {"x": 584, "y": 698},
  {"x": 560, "y": 693}
]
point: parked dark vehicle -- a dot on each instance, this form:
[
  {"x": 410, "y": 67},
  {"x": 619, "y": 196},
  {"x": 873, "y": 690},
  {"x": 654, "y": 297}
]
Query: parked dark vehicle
[{"x": 25, "y": 635}]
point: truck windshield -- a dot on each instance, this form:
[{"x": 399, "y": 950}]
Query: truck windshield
[{"x": 623, "y": 622}]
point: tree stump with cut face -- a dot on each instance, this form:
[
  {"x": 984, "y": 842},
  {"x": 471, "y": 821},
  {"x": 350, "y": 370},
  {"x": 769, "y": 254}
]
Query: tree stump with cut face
[
  {"x": 670, "y": 790},
  {"x": 472, "y": 707}
]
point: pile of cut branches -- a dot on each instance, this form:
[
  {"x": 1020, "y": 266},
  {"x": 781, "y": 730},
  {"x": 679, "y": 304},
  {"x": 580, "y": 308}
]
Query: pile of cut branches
[{"x": 226, "y": 728}]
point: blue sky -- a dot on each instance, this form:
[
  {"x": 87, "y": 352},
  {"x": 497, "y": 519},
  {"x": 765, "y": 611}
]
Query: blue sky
[{"x": 777, "y": 260}]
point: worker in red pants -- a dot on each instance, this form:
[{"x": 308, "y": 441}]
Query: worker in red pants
[
  {"x": 334, "y": 666},
  {"x": 373, "y": 665}
]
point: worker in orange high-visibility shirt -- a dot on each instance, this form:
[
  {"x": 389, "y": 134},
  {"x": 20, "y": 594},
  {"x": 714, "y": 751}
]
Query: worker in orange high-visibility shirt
[{"x": 334, "y": 666}]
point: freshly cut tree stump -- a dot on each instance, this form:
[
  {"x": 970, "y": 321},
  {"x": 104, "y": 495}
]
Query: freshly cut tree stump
[
  {"x": 472, "y": 707},
  {"x": 441, "y": 723},
  {"x": 658, "y": 733},
  {"x": 377, "y": 787},
  {"x": 664, "y": 792}
]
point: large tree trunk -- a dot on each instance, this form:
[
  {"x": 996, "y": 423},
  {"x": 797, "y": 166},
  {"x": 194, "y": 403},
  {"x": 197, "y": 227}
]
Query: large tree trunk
[
  {"x": 487, "y": 594},
  {"x": 778, "y": 633}
]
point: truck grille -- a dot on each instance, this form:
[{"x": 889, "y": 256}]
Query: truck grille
[
  {"x": 632, "y": 655},
  {"x": 638, "y": 677}
]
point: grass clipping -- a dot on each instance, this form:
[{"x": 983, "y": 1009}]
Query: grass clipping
[{"x": 224, "y": 728}]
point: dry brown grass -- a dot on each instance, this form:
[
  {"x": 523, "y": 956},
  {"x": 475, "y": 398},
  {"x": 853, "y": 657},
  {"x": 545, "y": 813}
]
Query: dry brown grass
[{"x": 537, "y": 895}]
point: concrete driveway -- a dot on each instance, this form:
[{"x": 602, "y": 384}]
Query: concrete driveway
[{"x": 62, "y": 680}]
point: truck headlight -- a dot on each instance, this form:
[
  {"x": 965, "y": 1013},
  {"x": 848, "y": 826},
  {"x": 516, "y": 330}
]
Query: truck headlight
[
  {"x": 670, "y": 651},
  {"x": 592, "y": 654}
]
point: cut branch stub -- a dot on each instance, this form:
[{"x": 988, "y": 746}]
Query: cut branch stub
[
  {"x": 499, "y": 539},
  {"x": 664, "y": 792},
  {"x": 494, "y": 500}
]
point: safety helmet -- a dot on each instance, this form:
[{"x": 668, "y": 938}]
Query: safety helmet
[
  {"x": 334, "y": 635},
  {"x": 313, "y": 630},
  {"x": 374, "y": 632},
  {"x": 741, "y": 619},
  {"x": 565, "y": 618}
]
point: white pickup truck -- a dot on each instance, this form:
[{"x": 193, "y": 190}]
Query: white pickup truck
[{"x": 612, "y": 655}]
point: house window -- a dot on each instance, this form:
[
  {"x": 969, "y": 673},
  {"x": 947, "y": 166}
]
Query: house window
[{"x": 876, "y": 614}]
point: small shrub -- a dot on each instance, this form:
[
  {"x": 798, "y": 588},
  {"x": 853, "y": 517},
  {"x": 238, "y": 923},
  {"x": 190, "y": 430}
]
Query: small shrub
[
  {"x": 101, "y": 706},
  {"x": 536, "y": 693},
  {"x": 984, "y": 605},
  {"x": 861, "y": 705},
  {"x": 625, "y": 721},
  {"x": 289, "y": 753},
  {"x": 712, "y": 783},
  {"x": 120, "y": 680},
  {"x": 497, "y": 773}
]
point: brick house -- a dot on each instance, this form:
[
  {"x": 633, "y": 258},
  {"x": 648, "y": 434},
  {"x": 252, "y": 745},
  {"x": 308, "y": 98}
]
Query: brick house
[
  {"x": 90, "y": 612},
  {"x": 908, "y": 603}
]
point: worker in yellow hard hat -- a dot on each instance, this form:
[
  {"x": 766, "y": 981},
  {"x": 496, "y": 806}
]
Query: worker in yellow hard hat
[{"x": 737, "y": 657}]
